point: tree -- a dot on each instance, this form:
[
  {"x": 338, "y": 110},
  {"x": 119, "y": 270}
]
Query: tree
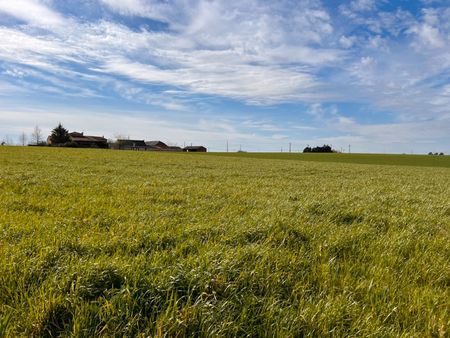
[
  {"x": 59, "y": 135},
  {"x": 36, "y": 136},
  {"x": 23, "y": 139},
  {"x": 324, "y": 149}
]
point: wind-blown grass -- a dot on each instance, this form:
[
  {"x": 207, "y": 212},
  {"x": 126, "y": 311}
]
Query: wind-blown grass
[{"x": 104, "y": 243}]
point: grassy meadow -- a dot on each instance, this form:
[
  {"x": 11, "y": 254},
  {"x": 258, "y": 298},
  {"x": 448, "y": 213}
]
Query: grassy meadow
[
  {"x": 379, "y": 159},
  {"x": 117, "y": 243}
]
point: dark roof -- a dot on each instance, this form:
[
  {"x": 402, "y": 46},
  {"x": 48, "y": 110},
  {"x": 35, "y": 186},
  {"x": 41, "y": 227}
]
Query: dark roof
[
  {"x": 132, "y": 143},
  {"x": 80, "y": 137},
  {"x": 156, "y": 144},
  {"x": 88, "y": 139},
  {"x": 194, "y": 147}
]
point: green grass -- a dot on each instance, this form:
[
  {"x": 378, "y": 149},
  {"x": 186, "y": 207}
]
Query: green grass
[
  {"x": 110, "y": 243},
  {"x": 379, "y": 159}
]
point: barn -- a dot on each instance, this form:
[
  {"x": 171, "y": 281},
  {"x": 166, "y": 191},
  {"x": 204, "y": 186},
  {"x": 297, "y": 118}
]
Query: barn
[
  {"x": 131, "y": 145},
  {"x": 195, "y": 149},
  {"x": 85, "y": 141},
  {"x": 156, "y": 145}
]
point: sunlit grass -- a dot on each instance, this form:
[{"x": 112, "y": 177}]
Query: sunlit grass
[
  {"x": 379, "y": 159},
  {"x": 109, "y": 243}
]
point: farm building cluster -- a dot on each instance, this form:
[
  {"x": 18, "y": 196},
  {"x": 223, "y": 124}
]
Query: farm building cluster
[
  {"x": 125, "y": 144},
  {"x": 79, "y": 140}
]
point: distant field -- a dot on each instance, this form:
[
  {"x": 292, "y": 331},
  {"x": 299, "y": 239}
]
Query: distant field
[
  {"x": 116, "y": 243},
  {"x": 381, "y": 159}
]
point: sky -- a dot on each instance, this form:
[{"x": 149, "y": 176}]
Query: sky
[{"x": 262, "y": 75}]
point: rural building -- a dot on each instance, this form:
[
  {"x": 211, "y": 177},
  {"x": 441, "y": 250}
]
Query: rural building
[
  {"x": 196, "y": 149},
  {"x": 173, "y": 148},
  {"x": 124, "y": 144},
  {"x": 156, "y": 145},
  {"x": 130, "y": 145},
  {"x": 86, "y": 141}
]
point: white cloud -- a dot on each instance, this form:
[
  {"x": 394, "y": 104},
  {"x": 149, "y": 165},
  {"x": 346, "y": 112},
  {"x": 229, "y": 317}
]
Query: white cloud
[
  {"x": 127, "y": 7},
  {"x": 406, "y": 132},
  {"x": 280, "y": 137},
  {"x": 262, "y": 125},
  {"x": 367, "y": 14},
  {"x": 7, "y": 89},
  {"x": 404, "y": 76},
  {"x": 428, "y": 36},
  {"x": 35, "y": 12},
  {"x": 347, "y": 41},
  {"x": 363, "y": 5},
  {"x": 142, "y": 8},
  {"x": 248, "y": 82},
  {"x": 428, "y": 33},
  {"x": 242, "y": 52},
  {"x": 353, "y": 9},
  {"x": 37, "y": 51},
  {"x": 401, "y": 136}
]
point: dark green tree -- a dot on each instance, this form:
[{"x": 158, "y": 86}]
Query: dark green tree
[
  {"x": 324, "y": 149},
  {"x": 60, "y": 135}
]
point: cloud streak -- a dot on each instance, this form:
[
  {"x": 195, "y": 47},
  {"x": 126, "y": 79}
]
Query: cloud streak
[{"x": 34, "y": 12}]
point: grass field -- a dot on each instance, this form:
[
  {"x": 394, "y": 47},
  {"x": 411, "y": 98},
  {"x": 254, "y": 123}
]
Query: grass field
[
  {"x": 109, "y": 243},
  {"x": 379, "y": 159}
]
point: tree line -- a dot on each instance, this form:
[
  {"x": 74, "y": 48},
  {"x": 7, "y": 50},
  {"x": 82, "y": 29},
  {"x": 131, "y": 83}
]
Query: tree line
[
  {"x": 323, "y": 149},
  {"x": 58, "y": 136},
  {"x": 36, "y": 137}
]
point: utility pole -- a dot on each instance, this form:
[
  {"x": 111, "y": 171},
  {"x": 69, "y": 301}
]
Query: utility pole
[
  {"x": 290, "y": 146},
  {"x": 240, "y": 147},
  {"x": 349, "y": 149},
  {"x": 227, "y": 146}
]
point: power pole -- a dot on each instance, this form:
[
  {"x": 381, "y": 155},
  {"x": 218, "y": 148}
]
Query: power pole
[
  {"x": 349, "y": 149},
  {"x": 290, "y": 146},
  {"x": 227, "y": 146}
]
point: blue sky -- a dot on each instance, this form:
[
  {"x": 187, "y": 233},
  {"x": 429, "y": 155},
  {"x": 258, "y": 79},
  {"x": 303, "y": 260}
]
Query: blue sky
[{"x": 261, "y": 74}]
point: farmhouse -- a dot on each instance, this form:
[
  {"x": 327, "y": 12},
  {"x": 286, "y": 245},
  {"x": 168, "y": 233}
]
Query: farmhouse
[
  {"x": 125, "y": 144},
  {"x": 174, "y": 148},
  {"x": 196, "y": 149},
  {"x": 131, "y": 145},
  {"x": 156, "y": 145},
  {"x": 85, "y": 141}
]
